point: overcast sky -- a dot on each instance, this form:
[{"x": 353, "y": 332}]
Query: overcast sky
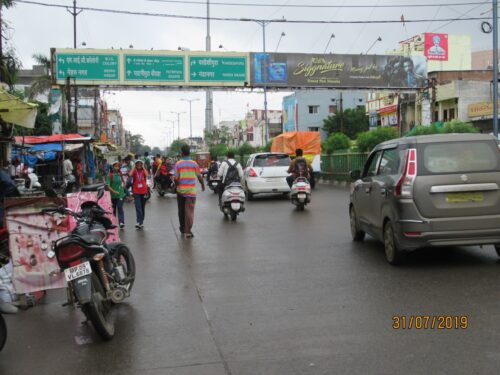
[{"x": 35, "y": 29}]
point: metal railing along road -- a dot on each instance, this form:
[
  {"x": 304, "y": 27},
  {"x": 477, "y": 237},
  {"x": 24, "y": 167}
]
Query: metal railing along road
[{"x": 338, "y": 165}]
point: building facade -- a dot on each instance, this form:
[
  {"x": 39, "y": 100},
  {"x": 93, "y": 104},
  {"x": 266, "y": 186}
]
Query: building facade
[{"x": 305, "y": 110}]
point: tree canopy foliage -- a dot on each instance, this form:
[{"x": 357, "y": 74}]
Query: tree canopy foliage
[{"x": 349, "y": 122}]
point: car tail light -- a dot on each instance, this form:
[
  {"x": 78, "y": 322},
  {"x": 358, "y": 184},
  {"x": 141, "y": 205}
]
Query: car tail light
[
  {"x": 70, "y": 252},
  {"x": 252, "y": 173},
  {"x": 404, "y": 187}
]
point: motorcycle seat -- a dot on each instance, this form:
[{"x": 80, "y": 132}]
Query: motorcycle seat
[
  {"x": 93, "y": 187},
  {"x": 301, "y": 179},
  {"x": 234, "y": 184}
]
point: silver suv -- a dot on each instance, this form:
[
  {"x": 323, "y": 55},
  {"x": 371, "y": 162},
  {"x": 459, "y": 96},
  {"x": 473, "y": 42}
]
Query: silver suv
[{"x": 436, "y": 190}]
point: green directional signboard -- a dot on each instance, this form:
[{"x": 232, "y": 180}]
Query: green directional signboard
[
  {"x": 87, "y": 66},
  {"x": 154, "y": 68},
  {"x": 230, "y": 69}
]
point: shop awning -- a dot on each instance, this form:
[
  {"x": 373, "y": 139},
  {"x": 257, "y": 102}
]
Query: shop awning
[
  {"x": 33, "y": 140},
  {"x": 15, "y": 111}
]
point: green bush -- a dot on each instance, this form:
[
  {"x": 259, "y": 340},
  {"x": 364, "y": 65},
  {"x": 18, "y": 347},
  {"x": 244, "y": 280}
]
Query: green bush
[
  {"x": 459, "y": 127},
  {"x": 336, "y": 142},
  {"x": 448, "y": 127},
  {"x": 366, "y": 141},
  {"x": 218, "y": 151},
  {"x": 266, "y": 147},
  {"x": 246, "y": 149}
]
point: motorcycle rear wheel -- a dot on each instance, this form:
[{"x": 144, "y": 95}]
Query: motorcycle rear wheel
[
  {"x": 234, "y": 215},
  {"x": 98, "y": 310},
  {"x": 3, "y": 332}
]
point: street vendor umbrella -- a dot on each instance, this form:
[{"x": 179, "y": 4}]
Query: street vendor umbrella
[{"x": 15, "y": 111}]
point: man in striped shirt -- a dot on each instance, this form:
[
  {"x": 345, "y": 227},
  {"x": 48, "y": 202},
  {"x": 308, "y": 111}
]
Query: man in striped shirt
[{"x": 186, "y": 173}]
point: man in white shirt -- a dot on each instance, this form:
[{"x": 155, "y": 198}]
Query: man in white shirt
[{"x": 229, "y": 171}]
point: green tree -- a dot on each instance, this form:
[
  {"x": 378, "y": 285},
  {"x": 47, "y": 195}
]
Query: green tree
[
  {"x": 156, "y": 150},
  {"x": 175, "y": 147},
  {"x": 350, "y": 122},
  {"x": 366, "y": 141},
  {"x": 136, "y": 143},
  {"x": 43, "y": 83},
  {"x": 336, "y": 142},
  {"x": 246, "y": 149}
]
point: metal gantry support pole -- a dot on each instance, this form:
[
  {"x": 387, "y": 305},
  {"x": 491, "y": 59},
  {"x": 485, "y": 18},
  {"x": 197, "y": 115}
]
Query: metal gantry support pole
[
  {"x": 495, "y": 68},
  {"x": 209, "y": 112}
]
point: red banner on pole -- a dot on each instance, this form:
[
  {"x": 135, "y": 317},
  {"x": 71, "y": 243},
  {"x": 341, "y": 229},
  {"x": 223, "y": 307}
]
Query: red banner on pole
[{"x": 436, "y": 46}]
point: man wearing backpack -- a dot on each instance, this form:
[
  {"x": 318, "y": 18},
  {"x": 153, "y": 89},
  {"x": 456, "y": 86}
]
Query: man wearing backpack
[
  {"x": 229, "y": 171},
  {"x": 299, "y": 167}
]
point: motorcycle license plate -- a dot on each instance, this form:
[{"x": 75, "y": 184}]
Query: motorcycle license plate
[
  {"x": 301, "y": 196},
  {"x": 236, "y": 206},
  {"x": 78, "y": 271}
]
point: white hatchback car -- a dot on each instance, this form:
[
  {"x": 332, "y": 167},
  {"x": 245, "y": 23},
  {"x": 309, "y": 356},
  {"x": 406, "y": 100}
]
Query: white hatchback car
[{"x": 266, "y": 173}]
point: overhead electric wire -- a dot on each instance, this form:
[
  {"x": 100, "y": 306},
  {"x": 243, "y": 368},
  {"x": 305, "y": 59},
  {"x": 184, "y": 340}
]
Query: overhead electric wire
[
  {"x": 232, "y": 19},
  {"x": 317, "y": 5},
  {"x": 462, "y": 15}
]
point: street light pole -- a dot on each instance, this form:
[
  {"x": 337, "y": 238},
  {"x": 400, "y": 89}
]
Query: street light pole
[
  {"x": 379, "y": 39},
  {"x": 495, "y": 68},
  {"x": 279, "y": 41},
  {"x": 178, "y": 123},
  {"x": 263, "y": 24},
  {"x": 190, "y": 118},
  {"x": 328, "y": 43}
]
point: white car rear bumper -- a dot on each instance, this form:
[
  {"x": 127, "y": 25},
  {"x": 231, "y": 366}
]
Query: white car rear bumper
[{"x": 267, "y": 185}]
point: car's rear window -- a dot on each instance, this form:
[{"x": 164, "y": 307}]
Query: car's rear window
[
  {"x": 458, "y": 157},
  {"x": 272, "y": 161}
]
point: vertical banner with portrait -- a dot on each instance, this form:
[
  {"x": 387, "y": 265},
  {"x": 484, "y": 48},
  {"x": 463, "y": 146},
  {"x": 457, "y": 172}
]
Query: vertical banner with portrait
[{"x": 436, "y": 46}]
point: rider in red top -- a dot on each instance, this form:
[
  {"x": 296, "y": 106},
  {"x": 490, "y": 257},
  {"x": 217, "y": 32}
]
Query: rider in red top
[{"x": 139, "y": 188}]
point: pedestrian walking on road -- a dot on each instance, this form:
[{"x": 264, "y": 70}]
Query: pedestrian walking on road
[
  {"x": 115, "y": 185},
  {"x": 139, "y": 188},
  {"x": 186, "y": 172}
]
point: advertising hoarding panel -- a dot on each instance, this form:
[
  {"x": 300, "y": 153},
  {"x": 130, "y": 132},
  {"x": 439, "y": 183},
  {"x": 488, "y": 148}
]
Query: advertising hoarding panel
[
  {"x": 436, "y": 46},
  {"x": 342, "y": 71}
]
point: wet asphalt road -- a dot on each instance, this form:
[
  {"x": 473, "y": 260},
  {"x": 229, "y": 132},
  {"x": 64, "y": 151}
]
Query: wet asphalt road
[{"x": 277, "y": 292}]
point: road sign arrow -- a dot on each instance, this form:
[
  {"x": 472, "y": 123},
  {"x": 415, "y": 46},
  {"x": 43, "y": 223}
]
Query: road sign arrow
[
  {"x": 193, "y": 62},
  {"x": 61, "y": 60},
  {"x": 129, "y": 72},
  {"x": 129, "y": 60},
  {"x": 193, "y": 74}
]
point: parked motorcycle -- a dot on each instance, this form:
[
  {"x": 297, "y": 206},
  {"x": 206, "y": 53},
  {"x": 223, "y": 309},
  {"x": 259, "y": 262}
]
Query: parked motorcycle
[
  {"x": 213, "y": 182},
  {"x": 98, "y": 274},
  {"x": 300, "y": 193},
  {"x": 233, "y": 200}
]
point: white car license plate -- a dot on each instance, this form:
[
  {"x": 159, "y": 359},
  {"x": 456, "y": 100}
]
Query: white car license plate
[
  {"x": 236, "y": 206},
  {"x": 301, "y": 196},
  {"x": 78, "y": 271}
]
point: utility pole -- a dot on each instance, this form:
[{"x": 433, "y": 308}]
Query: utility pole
[
  {"x": 209, "y": 109},
  {"x": 190, "y": 118},
  {"x": 341, "y": 101},
  {"x": 433, "y": 99},
  {"x": 1, "y": 43},
  {"x": 495, "y": 68},
  {"x": 75, "y": 13}
]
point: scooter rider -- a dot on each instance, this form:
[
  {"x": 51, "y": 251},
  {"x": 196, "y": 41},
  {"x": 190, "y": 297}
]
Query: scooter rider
[
  {"x": 229, "y": 171},
  {"x": 212, "y": 169},
  {"x": 299, "y": 167}
]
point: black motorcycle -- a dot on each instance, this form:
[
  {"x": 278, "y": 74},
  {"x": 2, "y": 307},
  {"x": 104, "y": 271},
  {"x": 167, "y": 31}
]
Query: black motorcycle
[{"x": 98, "y": 274}]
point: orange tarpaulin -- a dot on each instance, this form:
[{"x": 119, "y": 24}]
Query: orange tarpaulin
[
  {"x": 35, "y": 139},
  {"x": 309, "y": 142}
]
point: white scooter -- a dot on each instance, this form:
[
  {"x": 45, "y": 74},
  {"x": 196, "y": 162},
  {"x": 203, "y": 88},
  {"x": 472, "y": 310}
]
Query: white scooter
[
  {"x": 33, "y": 182},
  {"x": 300, "y": 193},
  {"x": 233, "y": 200}
]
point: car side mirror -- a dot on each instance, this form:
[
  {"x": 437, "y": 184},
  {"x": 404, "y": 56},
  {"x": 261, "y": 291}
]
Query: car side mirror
[{"x": 355, "y": 174}]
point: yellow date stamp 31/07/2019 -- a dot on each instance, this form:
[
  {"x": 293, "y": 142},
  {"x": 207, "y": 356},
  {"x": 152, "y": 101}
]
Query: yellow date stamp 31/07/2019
[{"x": 440, "y": 322}]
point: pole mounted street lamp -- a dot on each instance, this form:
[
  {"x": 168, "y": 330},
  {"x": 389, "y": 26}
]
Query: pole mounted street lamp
[
  {"x": 190, "y": 118},
  {"x": 178, "y": 123},
  {"x": 279, "y": 41},
  {"x": 265, "y": 68},
  {"x": 328, "y": 43},
  {"x": 379, "y": 39}
]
